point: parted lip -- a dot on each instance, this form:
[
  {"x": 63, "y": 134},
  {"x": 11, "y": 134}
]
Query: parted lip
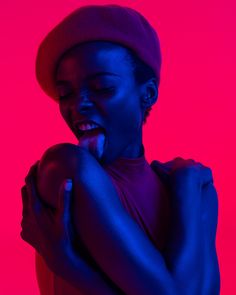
[
  {"x": 79, "y": 132},
  {"x": 78, "y": 122}
]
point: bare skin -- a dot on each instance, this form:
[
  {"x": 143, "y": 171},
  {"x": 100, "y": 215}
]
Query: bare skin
[
  {"x": 85, "y": 93},
  {"x": 195, "y": 220},
  {"x": 175, "y": 255},
  {"x": 51, "y": 234}
]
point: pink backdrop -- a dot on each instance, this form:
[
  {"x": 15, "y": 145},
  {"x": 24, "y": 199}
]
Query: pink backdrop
[{"x": 193, "y": 118}]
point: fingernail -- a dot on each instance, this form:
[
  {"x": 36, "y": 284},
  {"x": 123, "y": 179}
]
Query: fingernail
[{"x": 68, "y": 185}]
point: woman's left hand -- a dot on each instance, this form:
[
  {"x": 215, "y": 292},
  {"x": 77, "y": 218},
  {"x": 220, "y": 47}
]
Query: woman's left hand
[{"x": 49, "y": 232}]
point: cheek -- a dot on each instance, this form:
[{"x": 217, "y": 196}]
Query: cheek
[
  {"x": 131, "y": 117},
  {"x": 125, "y": 121}
]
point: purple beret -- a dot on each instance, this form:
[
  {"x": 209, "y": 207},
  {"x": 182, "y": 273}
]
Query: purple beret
[{"x": 110, "y": 22}]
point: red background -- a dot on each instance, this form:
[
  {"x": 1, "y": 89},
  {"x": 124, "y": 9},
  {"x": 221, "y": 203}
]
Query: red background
[{"x": 193, "y": 118}]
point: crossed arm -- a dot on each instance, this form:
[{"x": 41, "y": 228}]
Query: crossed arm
[
  {"x": 128, "y": 257},
  {"x": 115, "y": 241},
  {"x": 119, "y": 246}
]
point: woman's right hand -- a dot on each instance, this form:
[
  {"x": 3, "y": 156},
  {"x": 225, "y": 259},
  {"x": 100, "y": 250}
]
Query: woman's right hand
[{"x": 190, "y": 252}]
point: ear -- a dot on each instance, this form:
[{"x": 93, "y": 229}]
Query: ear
[{"x": 149, "y": 93}]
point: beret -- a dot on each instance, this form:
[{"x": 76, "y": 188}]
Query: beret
[{"x": 109, "y": 22}]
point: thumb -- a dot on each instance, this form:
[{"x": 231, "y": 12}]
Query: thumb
[{"x": 64, "y": 202}]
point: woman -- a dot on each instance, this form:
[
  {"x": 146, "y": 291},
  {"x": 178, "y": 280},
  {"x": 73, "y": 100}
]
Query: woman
[{"x": 102, "y": 65}]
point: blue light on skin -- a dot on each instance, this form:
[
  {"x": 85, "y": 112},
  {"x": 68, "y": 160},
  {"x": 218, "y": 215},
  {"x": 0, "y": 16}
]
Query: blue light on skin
[{"x": 114, "y": 100}]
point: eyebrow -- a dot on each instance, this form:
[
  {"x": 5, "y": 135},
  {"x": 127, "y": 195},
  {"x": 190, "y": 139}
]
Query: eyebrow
[{"x": 89, "y": 77}]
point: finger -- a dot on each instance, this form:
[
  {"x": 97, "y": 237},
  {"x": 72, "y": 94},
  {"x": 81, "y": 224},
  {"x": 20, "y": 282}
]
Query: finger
[
  {"x": 206, "y": 176},
  {"x": 33, "y": 170},
  {"x": 34, "y": 202},
  {"x": 27, "y": 223},
  {"x": 210, "y": 211},
  {"x": 25, "y": 201},
  {"x": 206, "y": 172},
  {"x": 28, "y": 238},
  {"x": 161, "y": 170},
  {"x": 64, "y": 204},
  {"x": 29, "y": 227},
  {"x": 160, "y": 167},
  {"x": 209, "y": 228},
  {"x": 170, "y": 164},
  {"x": 166, "y": 166},
  {"x": 24, "y": 195}
]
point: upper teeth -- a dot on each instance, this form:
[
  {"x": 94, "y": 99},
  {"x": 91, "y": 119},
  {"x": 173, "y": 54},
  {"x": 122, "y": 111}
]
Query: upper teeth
[{"x": 87, "y": 126}]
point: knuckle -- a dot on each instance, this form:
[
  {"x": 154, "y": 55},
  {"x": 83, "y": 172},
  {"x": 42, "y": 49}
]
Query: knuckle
[
  {"x": 23, "y": 190},
  {"x": 205, "y": 166},
  {"x": 28, "y": 179},
  {"x": 186, "y": 173},
  {"x": 180, "y": 163},
  {"x": 191, "y": 163},
  {"x": 178, "y": 159},
  {"x": 209, "y": 171},
  {"x": 190, "y": 172},
  {"x": 32, "y": 170},
  {"x": 191, "y": 160}
]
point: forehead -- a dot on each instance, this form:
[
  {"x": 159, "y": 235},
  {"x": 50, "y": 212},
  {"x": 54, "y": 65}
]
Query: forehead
[{"x": 91, "y": 57}]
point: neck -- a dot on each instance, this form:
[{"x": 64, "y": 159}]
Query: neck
[{"x": 135, "y": 149}]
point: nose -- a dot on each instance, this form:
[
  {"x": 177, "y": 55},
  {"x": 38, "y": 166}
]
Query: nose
[{"x": 83, "y": 104}]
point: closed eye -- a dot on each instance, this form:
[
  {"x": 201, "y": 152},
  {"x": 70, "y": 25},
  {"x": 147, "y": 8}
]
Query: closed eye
[
  {"x": 104, "y": 89},
  {"x": 64, "y": 96},
  {"x": 101, "y": 90}
]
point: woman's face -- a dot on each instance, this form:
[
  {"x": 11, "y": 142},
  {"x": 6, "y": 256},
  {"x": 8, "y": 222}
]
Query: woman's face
[{"x": 97, "y": 83}]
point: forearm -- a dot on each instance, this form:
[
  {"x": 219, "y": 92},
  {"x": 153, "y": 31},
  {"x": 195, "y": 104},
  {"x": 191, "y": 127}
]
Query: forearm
[
  {"x": 191, "y": 253},
  {"x": 185, "y": 260},
  {"x": 211, "y": 281},
  {"x": 87, "y": 278},
  {"x": 118, "y": 244},
  {"x": 184, "y": 249}
]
